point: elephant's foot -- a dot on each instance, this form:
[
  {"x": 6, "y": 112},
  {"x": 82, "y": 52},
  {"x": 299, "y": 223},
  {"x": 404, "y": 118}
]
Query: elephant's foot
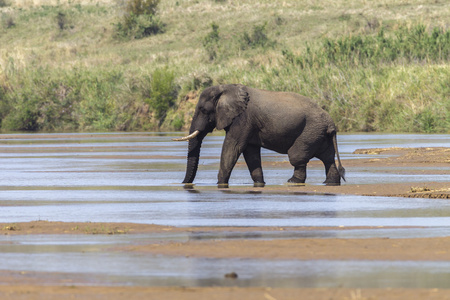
[
  {"x": 222, "y": 185},
  {"x": 332, "y": 183},
  {"x": 188, "y": 186},
  {"x": 295, "y": 180},
  {"x": 259, "y": 184}
]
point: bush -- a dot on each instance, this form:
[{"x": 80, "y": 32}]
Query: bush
[
  {"x": 24, "y": 113},
  {"x": 61, "y": 19},
  {"x": 7, "y": 21},
  {"x": 211, "y": 42},
  {"x": 139, "y": 26},
  {"x": 390, "y": 96},
  {"x": 163, "y": 92},
  {"x": 142, "y": 7},
  {"x": 78, "y": 99},
  {"x": 258, "y": 38},
  {"x": 177, "y": 123},
  {"x": 405, "y": 44},
  {"x": 140, "y": 20}
]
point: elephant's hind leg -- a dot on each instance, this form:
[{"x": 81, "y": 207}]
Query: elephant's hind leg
[
  {"x": 252, "y": 155},
  {"x": 331, "y": 171},
  {"x": 299, "y": 155},
  {"x": 299, "y": 160},
  {"x": 333, "y": 177}
]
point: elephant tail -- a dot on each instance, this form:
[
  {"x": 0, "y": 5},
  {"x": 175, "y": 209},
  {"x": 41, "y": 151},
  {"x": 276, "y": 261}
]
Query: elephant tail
[{"x": 341, "y": 169}]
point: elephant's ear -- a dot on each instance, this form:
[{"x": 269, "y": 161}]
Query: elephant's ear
[{"x": 231, "y": 104}]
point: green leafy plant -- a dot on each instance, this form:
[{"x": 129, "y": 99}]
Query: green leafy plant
[
  {"x": 177, "y": 123},
  {"x": 163, "y": 92},
  {"x": 142, "y": 7},
  {"x": 24, "y": 116},
  {"x": 258, "y": 38},
  {"x": 410, "y": 44},
  {"x": 140, "y": 20},
  {"x": 211, "y": 42}
]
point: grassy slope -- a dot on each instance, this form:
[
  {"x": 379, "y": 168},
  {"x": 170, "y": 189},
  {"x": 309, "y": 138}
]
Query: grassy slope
[{"x": 35, "y": 52}]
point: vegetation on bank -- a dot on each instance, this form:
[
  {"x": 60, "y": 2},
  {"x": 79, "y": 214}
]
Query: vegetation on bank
[{"x": 140, "y": 64}]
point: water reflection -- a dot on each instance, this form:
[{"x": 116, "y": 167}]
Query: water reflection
[{"x": 213, "y": 207}]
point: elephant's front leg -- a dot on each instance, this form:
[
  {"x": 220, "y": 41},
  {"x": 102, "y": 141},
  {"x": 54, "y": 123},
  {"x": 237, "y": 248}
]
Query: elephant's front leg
[
  {"x": 252, "y": 155},
  {"x": 231, "y": 151}
]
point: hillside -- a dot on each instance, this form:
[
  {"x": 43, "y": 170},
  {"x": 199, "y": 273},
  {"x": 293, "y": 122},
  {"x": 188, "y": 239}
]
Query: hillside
[{"x": 375, "y": 66}]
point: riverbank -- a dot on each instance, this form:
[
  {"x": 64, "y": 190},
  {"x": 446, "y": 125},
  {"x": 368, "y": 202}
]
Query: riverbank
[{"x": 46, "y": 285}]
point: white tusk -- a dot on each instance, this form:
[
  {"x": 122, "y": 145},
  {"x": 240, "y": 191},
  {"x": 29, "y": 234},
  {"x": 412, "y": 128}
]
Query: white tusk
[{"x": 187, "y": 138}]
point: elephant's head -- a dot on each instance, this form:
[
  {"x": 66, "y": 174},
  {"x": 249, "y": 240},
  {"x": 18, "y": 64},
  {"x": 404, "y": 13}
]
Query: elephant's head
[{"x": 216, "y": 108}]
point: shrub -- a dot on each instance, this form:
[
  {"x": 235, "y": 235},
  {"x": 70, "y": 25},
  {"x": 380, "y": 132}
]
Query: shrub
[
  {"x": 211, "y": 42},
  {"x": 177, "y": 123},
  {"x": 10, "y": 23},
  {"x": 139, "y": 26},
  {"x": 7, "y": 21},
  {"x": 163, "y": 92},
  {"x": 142, "y": 7},
  {"x": 79, "y": 99},
  {"x": 61, "y": 19},
  {"x": 140, "y": 20},
  {"x": 258, "y": 38},
  {"x": 24, "y": 115},
  {"x": 405, "y": 44}
]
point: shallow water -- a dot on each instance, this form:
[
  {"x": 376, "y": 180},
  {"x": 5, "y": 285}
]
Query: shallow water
[
  {"x": 120, "y": 269},
  {"x": 136, "y": 177}
]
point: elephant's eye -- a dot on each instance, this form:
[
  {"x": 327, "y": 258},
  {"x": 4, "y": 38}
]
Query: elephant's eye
[
  {"x": 203, "y": 110},
  {"x": 207, "y": 108}
]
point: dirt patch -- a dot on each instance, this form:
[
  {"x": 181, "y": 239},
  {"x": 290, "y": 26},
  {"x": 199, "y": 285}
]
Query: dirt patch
[
  {"x": 217, "y": 293},
  {"x": 423, "y": 249},
  {"x": 424, "y": 155},
  {"x": 406, "y": 190},
  {"x": 45, "y": 227}
]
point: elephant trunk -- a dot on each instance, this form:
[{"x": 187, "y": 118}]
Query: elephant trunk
[{"x": 193, "y": 158}]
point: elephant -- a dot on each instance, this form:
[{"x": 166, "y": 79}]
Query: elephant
[{"x": 284, "y": 122}]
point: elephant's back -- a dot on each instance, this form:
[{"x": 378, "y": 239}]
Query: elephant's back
[
  {"x": 281, "y": 117},
  {"x": 284, "y": 105}
]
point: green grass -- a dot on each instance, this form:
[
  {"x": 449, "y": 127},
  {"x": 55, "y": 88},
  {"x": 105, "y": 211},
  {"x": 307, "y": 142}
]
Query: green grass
[{"x": 380, "y": 66}]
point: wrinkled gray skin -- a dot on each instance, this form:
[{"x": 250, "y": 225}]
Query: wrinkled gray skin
[{"x": 287, "y": 123}]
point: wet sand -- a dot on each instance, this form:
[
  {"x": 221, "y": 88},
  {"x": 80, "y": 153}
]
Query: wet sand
[
  {"x": 33, "y": 292},
  {"x": 28, "y": 285}
]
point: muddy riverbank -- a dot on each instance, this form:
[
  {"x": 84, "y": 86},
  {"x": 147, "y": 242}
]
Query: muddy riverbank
[
  {"x": 55, "y": 285},
  {"x": 396, "y": 160}
]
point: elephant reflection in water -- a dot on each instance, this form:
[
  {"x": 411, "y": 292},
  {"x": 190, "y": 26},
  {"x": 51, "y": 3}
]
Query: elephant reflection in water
[{"x": 287, "y": 123}]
